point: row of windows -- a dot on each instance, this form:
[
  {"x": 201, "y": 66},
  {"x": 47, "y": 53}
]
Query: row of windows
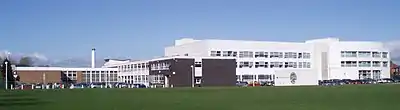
[
  {"x": 156, "y": 79},
  {"x": 101, "y": 72},
  {"x": 261, "y": 54},
  {"x": 262, "y": 64},
  {"x": 364, "y": 64},
  {"x": 71, "y": 74},
  {"x": 254, "y": 77},
  {"x": 134, "y": 79},
  {"x": 160, "y": 66},
  {"x": 366, "y": 74},
  {"x": 364, "y": 54},
  {"x": 131, "y": 67},
  {"x": 100, "y": 77}
]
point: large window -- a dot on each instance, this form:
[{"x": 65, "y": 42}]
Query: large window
[
  {"x": 248, "y": 77},
  {"x": 376, "y": 74},
  {"x": 304, "y": 65},
  {"x": 290, "y": 55},
  {"x": 376, "y": 54},
  {"x": 290, "y": 64},
  {"x": 264, "y": 77},
  {"x": 364, "y": 54},
  {"x": 261, "y": 54},
  {"x": 261, "y": 64},
  {"x": 229, "y": 53},
  {"x": 385, "y": 64},
  {"x": 158, "y": 66},
  {"x": 246, "y": 54},
  {"x": 364, "y": 63},
  {"x": 306, "y": 55},
  {"x": 384, "y": 54},
  {"x": 376, "y": 63},
  {"x": 276, "y": 65},
  {"x": 215, "y": 53},
  {"x": 348, "y": 63},
  {"x": 349, "y": 53},
  {"x": 243, "y": 64},
  {"x": 276, "y": 55},
  {"x": 364, "y": 74}
]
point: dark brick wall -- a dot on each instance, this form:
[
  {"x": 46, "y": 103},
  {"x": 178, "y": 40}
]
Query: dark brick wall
[
  {"x": 182, "y": 69},
  {"x": 219, "y": 72}
]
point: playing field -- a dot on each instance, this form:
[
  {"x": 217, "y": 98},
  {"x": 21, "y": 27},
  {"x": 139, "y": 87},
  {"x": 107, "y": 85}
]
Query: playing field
[{"x": 355, "y": 97}]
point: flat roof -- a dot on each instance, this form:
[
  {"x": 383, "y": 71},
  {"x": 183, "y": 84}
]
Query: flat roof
[
  {"x": 63, "y": 69},
  {"x": 189, "y": 57}
]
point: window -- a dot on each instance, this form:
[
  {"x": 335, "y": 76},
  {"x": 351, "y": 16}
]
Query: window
[
  {"x": 234, "y": 54},
  {"x": 385, "y": 64},
  {"x": 304, "y": 65},
  {"x": 364, "y": 74},
  {"x": 264, "y": 77},
  {"x": 384, "y": 54},
  {"x": 376, "y": 74},
  {"x": 290, "y": 55},
  {"x": 225, "y": 53},
  {"x": 276, "y": 65},
  {"x": 364, "y": 63},
  {"x": 308, "y": 64},
  {"x": 364, "y": 54},
  {"x": 306, "y": 55},
  {"x": 247, "y": 77},
  {"x": 213, "y": 53},
  {"x": 376, "y": 63},
  {"x": 276, "y": 55},
  {"x": 160, "y": 66},
  {"x": 261, "y": 54},
  {"x": 229, "y": 53},
  {"x": 218, "y": 53},
  {"x": 376, "y": 54},
  {"x": 197, "y": 64},
  {"x": 349, "y": 53},
  {"x": 246, "y": 54},
  {"x": 290, "y": 64},
  {"x": 245, "y": 64},
  {"x": 261, "y": 64},
  {"x": 348, "y": 63}
]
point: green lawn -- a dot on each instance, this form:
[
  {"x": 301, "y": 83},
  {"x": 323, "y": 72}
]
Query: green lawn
[{"x": 355, "y": 97}]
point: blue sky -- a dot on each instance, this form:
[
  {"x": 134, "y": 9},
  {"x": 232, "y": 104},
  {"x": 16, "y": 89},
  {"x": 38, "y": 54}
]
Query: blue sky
[{"x": 140, "y": 29}]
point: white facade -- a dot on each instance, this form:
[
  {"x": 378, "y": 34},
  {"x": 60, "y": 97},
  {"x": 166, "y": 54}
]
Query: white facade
[
  {"x": 296, "y": 77},
  {"x": 135, "y": 72},
  {"x": 259, "y": 60}
]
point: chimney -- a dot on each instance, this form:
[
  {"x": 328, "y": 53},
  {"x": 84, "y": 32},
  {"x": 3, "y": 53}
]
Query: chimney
[{"x": 93, "y": 58}]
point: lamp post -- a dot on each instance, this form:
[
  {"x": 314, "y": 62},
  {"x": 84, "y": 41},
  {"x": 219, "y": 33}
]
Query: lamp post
[
  {"x": 191, "y": 66},
  {"x": 6, "y": 75}
]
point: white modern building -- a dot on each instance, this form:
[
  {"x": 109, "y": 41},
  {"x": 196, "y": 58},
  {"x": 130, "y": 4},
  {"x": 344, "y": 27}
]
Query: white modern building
[{"x": 328, "y": 58}]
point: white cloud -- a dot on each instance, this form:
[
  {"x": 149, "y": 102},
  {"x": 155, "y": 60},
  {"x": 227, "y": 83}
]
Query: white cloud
[
  {"x": 4, "y": 53},
  {"x": 38, "y": 56}
]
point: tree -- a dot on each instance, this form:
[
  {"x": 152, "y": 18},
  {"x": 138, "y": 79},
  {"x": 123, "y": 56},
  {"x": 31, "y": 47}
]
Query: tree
[
  {"x": 25, "y": 61},
  {"x": 10, "y": 74}
]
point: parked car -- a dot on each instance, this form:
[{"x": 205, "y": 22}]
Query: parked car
[
  {"x": 139, "y": 86},
  {"x": 241, "y": 83}
]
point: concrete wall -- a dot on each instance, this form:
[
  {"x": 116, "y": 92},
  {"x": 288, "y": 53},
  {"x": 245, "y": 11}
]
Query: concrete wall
[
  {"x": 303, "y": 77},
  {"x": 338, "y": 72}
]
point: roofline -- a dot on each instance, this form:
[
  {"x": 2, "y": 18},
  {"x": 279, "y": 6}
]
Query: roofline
[
  {"x": 63, "y": 69},
  {"x": 189, "y": 57}
]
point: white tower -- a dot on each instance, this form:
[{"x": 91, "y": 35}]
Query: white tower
[{"x": 93, "y": 58}]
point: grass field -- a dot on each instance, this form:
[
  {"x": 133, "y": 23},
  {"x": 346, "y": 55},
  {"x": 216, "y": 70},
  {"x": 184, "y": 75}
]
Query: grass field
[{"x": 354, "y": 97}]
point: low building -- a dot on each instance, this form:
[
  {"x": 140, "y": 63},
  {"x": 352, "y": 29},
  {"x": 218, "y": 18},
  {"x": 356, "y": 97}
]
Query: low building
[{"x": 66, "y": 75}]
